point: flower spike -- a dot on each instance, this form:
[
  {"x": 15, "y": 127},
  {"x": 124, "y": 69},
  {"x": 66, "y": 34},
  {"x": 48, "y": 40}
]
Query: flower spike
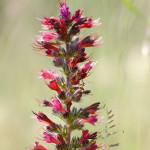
[{"x": 60, "y": 41}]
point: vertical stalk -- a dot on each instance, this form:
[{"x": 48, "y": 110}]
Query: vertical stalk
[
  {"x": 68, "y": 80},
  {"x": 67, "y": 62}
]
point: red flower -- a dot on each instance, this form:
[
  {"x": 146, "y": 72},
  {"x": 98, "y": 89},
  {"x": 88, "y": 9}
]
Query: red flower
[
  {"x": 37, "y": 146},
  {"x": 51, "y": 75},
  {"x": 73, "y": 62},
  {"x": 48, "y": 138},
  {"x": 54, "y": 23},
  {"x": 48, "y": 74},
  {"x": 56, "y": 105},
  {"x": 87, "y": 66},
  {"x": 82, "y": 72},
  {"x": 80, "y": 57},
  {"x": 93, "y": 146},
  {"x": 92, "y": 120},
  {"x": 85, "y": 135},
  {"x": 89, "y": 23},
  {"x": 44, "y": 21},
  {"x": 58, "y": 25},
  {"x": 43, "y": 118},
  {"x": 84, "y": 69},
  {"x": 91, "y": 109},
  {"x": 77, "y": 15},
  {"x": 89, "y": 41},
  {"x": 47, "y": 36},
  {"x": 46, "y": 47},
  {"x": 53, "y": 86},
  {"x": 61, "y": 139}
]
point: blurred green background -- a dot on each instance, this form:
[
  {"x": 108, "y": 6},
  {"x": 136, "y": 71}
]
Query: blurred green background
[{"x": 122, "y": 75}]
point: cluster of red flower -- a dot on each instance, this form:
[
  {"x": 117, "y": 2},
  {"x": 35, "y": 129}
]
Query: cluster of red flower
[{"x": 66, "y": 29}]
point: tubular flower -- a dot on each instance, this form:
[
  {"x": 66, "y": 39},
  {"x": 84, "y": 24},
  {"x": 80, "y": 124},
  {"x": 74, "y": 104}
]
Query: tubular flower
[
  {"x": 86, "y": 67},
  {"x": 46, "y": 47},
  {"x": 48, "y": 138},
  {"x": 89, "y": 23},
  {"x": 91, "y": 109},
  {"x": 47, "y": 36},
  {"x": 77, "y": 15},
  {"x": 37, "y": 146},
  {"x": 52, "y": 75},
  {"x": 89, "y": 41},
  {"x": 56, "y": 105},
  {"x": 43, "y": 118},
  {"x": 48, "y": 74},
  {"x": 82, "y": 72},
  {"x": 80, "y": 57},
  {"x": 54, "y": 23},
  {"x": 61, "y": 139},
  {"x": 86, "y": 135},
  {"x": 92, "y": 120},
  {"x": 53, "y": 86}
]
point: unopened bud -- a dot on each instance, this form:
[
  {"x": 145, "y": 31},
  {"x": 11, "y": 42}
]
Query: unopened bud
[{"x": 62, "y": 95}]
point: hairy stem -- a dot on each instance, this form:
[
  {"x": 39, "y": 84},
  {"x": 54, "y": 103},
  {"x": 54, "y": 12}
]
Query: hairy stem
[
  {"x": 67, "y": 80},
  {"x": 67, "y": 63}
]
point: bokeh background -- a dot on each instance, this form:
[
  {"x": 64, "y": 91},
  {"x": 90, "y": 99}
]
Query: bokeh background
[{"x": 122, "y": 75}]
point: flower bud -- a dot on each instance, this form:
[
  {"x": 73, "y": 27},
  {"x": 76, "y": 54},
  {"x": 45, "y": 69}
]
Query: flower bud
[
  {"x": 58, "y": 61},
  {"x": 62, "y": 95}
]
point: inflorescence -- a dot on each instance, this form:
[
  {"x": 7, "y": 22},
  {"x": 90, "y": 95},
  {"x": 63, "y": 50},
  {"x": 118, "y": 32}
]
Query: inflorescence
[{"x": 60, "y": 40}]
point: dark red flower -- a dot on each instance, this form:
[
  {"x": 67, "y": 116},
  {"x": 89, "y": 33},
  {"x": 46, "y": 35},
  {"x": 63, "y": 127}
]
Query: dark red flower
[
  {"x": 78, "y": 58},
  {"x": 91, "y": 109},
  {"x": 93, "y": 146},
  {"x": 46, "y": 47},
  {"x": 69, "y": 105},
  {"x": 61, "y": 139},
  {"x": 84, "y": 69},
  {"x": 82, "y": 72},
  {"x": 77, "y": 15},
  {"x": 43, "y": 118},
  {"x": 46, "y": 102},
  {"x": 58, "y": 25},
  {"x": 89, "y": 23},
  {"x": 85, "y": 135},
  {"x": 89, "y": 41}
]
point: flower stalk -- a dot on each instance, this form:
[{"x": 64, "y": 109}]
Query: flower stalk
[
  {"x": 59, "y": 33},
  {"x": 68, "y": 80}
]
